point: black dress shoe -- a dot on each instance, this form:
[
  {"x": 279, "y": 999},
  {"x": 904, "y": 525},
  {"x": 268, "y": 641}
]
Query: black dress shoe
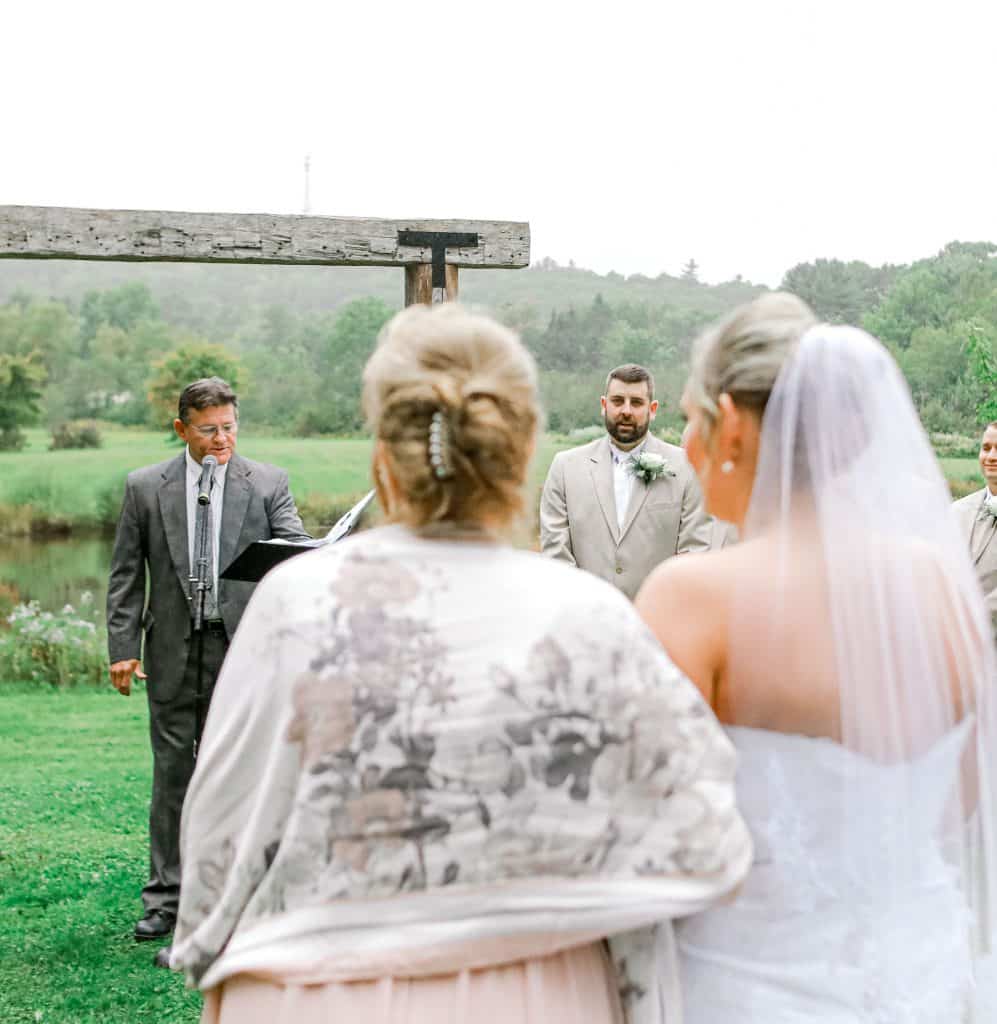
[{"x": 156, "y": 924}]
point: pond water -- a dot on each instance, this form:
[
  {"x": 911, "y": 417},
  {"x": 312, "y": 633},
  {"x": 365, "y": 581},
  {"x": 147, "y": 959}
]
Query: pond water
[{"x": 54, "y": 572}]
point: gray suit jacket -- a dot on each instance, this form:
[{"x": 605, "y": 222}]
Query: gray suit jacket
[
  {"x": 152, "y": 532},
  {"x": 979, "y": 534},
  {"x": 578, "y": 521}
]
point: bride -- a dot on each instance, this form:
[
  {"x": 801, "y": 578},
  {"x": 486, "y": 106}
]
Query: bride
[{"x": 845, "y": 645}]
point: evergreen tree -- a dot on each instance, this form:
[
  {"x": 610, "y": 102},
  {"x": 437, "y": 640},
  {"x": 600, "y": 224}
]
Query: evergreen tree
[{"x": 20, "y": 391}]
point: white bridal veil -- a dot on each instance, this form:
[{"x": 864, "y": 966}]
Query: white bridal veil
[{"x": 872, "y": 608}]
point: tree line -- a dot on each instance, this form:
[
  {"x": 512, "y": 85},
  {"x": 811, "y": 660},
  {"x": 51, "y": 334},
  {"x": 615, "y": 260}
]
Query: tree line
[
  {"x": 120, "y": 353},
  {"x": 937, "y": 316}
]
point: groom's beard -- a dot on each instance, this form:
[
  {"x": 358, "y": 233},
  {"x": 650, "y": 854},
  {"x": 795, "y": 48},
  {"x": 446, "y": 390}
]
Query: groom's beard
[{"x": 632, "y": 432}]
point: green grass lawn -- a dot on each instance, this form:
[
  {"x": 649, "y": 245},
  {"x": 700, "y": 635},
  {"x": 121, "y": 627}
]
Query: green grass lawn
[
  {"x": 83, "y": 487},
  {"x": 79, "y": 485},
  {"x": 962, "y": 469},
  {"x": 963, "y": 475},
  {"x": 75, "y": 771}
]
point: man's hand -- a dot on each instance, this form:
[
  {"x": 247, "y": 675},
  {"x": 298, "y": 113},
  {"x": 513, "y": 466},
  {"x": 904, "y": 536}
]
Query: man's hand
[{"x": 122, "y": 672}]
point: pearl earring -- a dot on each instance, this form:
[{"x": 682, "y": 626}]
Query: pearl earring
[{"x": 727, "y": 467}]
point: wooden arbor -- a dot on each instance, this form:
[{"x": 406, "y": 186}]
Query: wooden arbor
[{"x": 429, "y": 250}]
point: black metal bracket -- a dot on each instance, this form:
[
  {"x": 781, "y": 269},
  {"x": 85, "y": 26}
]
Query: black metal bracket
[{"x": 439, "y": 242}]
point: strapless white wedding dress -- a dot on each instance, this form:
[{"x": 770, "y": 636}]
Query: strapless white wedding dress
[{"x": 823, "y": 930}]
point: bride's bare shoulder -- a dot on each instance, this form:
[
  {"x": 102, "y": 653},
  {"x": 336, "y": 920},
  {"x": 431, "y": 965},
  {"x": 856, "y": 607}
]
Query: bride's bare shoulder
[
  {"x": 701, "y": 575},
  {"x": 686, "y": 604}
]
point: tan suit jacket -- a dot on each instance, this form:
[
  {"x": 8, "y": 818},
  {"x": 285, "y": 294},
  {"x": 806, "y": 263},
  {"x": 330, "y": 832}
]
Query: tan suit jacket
[
  {"x": 722, "y": 534},
  {"x": 979, "y": 533},
  {"x": 578, "y": 521}
]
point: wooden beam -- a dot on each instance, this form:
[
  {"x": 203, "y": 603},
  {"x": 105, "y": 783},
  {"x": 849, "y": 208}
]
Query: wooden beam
[{"x": 49, "y": 232}]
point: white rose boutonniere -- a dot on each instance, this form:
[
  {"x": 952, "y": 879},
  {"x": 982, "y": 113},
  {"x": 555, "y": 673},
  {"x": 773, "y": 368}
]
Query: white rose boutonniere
[
  {"x": 988, "y": 511},
  {"x": 648, "y": 466}
]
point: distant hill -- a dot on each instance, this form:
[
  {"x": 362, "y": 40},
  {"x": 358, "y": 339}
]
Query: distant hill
[
  {"x": 938, "y": 317},
  {"x": 195, "y": 295}
]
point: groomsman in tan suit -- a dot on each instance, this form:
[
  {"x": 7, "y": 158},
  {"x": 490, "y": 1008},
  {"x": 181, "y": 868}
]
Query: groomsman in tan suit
[
  {"x": 598, "y": 514},
  {"x": 978, "y": 516}
]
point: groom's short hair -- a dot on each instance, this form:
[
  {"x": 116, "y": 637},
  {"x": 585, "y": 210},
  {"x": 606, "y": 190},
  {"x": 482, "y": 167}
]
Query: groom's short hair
[{"x": 631, "y": 373}]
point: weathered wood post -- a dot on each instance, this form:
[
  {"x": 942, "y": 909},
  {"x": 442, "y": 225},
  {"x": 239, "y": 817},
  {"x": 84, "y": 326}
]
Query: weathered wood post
[
  {"x": 437, "y": 281},
  {"x": 429, "y": 250},
  {"x": 419, "y": 284}
]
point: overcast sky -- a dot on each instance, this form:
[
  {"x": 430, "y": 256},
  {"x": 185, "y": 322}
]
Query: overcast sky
[{"x": 632, "y": 136}]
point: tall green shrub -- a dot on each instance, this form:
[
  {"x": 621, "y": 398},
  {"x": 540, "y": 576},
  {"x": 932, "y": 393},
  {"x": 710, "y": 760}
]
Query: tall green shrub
[{"x": 182, "y": 367}]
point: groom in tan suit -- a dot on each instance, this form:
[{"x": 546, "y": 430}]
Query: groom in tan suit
[
  {"x": 596, "y": 513},
  {"x": 977, "y": 514}
]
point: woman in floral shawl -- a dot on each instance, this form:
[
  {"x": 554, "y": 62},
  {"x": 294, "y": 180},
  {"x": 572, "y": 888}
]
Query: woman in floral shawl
[{"x": 438, "y": 772}]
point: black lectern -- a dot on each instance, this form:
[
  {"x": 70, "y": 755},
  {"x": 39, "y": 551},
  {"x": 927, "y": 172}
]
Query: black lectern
[{"x": 262, "y": 555}]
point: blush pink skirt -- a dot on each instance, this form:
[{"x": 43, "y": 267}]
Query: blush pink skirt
[{"x": 571, "y": 987}]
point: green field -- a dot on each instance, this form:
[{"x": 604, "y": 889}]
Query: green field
[
  {"x": 83, "y": 488},
  {"x": 79, "y": 489},
  {"x": 75, "y": 772},
  {"x": 967, "y": 470}
]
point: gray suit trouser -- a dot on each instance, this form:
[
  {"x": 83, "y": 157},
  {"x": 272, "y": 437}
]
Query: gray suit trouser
[{"x": 171, "y": 729}]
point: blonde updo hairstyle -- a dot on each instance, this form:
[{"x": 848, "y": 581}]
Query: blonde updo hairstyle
[
  {"x": 452, "y": 396},
  {"x": 742, "y": 355}
]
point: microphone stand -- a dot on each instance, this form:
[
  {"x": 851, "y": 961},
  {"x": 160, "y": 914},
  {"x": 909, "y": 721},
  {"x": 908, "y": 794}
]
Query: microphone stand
[{"x": 201, "y": 583}]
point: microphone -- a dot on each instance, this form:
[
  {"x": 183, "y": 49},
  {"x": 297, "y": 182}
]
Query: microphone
[{"x": 208, "y": 465}]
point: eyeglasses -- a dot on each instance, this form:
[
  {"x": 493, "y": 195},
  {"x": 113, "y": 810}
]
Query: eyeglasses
[{"x": 231, "y": 429}]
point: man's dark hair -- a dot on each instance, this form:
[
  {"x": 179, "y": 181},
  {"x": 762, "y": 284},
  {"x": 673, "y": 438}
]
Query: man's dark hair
[
  {"x": 631, "y": 373},
  {"x": 206, "y": 393}
]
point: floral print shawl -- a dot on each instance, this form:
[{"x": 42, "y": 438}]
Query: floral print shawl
[{"x": 419, "y": 751}]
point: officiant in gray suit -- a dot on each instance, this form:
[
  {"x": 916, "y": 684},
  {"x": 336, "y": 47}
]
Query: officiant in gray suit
[
  {"x": 977, "y": 514},
  {"x": 622, "y": 504},
  {"x": 154, "y": 543}
]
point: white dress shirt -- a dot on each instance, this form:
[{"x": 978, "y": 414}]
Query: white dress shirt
[
  {"x": 217, "y": 497},
  {"x": 623, "y": 480}
]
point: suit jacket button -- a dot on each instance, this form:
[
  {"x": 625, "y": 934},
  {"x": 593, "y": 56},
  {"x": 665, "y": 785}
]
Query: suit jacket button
[{"x": 619, "y": 569}]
